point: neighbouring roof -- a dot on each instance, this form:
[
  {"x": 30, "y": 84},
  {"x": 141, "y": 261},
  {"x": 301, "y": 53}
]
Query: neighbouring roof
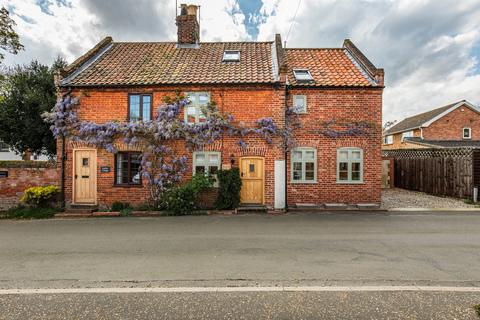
[
  {"x": 329, "y": 67},
  {"x": 149, "y": 63},
  {"x": 422, "y": 119},
  {"x": 445, "y": 143}
]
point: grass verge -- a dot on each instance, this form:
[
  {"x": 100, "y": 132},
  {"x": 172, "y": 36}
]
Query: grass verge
[
  {"x": 28, "y": 213},
  {"x": 477, "y": 309}
]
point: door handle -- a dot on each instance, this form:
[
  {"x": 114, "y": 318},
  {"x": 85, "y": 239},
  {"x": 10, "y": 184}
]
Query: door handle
[{"x": 76, "y": 176}]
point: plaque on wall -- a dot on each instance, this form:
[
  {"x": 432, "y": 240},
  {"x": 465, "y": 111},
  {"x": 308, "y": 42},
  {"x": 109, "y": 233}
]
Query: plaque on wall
[{"x": 104, "y": 169}]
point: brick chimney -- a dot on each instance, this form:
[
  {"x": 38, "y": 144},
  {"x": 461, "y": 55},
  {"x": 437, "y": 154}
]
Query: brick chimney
[{"x": 188, "y": 31}]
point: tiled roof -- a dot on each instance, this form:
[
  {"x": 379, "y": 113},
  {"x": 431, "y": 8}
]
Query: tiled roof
[
  {"x": 446, "y": 143},
  {"x": 329, "y": 67},
  {"x": 417, "y": 120},
  {"x": 145, "y": 63}
]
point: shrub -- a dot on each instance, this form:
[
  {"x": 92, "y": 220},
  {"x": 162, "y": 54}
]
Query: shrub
[
  {"x": 181, "y": 200},
  {"x": 230, "y": 184},
  {"x": 39, "y": 196},
  {"x": 125, "y": 212},
  {"x": 477, "y": 309},
  {"x": 119, "y": 206},
  {"x": 29, "y": 213}
]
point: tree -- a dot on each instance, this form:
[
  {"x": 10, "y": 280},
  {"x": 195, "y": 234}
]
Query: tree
[
  {"x": 28, "y": 92},
  {"x": 9, "y": 40}
]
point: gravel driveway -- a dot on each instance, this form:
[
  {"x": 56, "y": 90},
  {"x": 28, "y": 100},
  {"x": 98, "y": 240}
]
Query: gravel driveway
[{"x": 401, "y": 198}]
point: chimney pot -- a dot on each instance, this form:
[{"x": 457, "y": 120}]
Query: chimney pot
[{"x": 188, "y": 29}]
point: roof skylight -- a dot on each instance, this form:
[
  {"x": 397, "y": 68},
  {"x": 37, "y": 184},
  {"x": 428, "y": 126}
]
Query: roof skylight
[
  {"x": 231, "y": 55},
  {"x": 302, "y": 75}
]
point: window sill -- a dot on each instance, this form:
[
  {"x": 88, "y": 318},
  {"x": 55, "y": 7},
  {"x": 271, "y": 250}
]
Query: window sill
[
  {"x": 128, "y": 185},
  {"x": 350, "y": 182},
  {"x": 303, "y": 182}
]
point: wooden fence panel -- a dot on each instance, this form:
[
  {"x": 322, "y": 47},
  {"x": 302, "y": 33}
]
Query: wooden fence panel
[{"x": 442, "y": 172}]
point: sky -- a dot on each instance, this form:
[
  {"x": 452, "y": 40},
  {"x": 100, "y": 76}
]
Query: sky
[{"x": 430, "y": 49}]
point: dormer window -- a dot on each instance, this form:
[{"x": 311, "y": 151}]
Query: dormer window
[
  {"x": 231, "y": 56},
  {"x": 302, "y": 75}
]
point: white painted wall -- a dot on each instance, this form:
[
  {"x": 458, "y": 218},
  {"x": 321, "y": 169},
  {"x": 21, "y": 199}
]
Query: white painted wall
[{"x": 279, "y": 172}]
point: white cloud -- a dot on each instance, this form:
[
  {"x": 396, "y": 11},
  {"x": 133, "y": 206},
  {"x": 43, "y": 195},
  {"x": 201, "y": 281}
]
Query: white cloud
[{"x": 425, "y": 46}]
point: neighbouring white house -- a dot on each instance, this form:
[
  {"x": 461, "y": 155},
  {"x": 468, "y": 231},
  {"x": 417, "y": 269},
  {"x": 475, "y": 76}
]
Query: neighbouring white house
[{"x": 8, "y": 154}]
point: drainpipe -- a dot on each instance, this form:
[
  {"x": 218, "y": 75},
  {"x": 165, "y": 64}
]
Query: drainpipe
[
  {"x": 286, "y": 150},
  {"x": 62, "y": 174}
]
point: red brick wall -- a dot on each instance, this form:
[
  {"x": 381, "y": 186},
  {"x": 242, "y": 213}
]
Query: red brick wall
[
  {"x": 450, "y": 127},
  {"x": 246, "y": 103},
  {"x": 343, "y": 106},
  {"x": 19, "y": 179}
]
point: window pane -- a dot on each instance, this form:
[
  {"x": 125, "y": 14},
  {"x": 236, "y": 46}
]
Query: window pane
[
  {"x": 343, "y": 175},
  {"x": 214, "y": 158},
  {"x": 299, "y": 103},
  {"x": 135, "y": 161},
  {"x": 122, "y": 168},
  {"x": 309, "y": 175},
  {"x": 297, "y": 171},
  {"x": 297, "y": 175},
  {"x": 297, "y": 166},
  {"x": 192, "y": 98},
  {"x": 343, "y": 155},
  {"x": 134, "y": 112},
  {"x": 297, "y": 155},
  {"x": 343, "y": 166},
  {"x": 191, "y": 111},
  {"x": 309, "y": 166},
  {"x": 309, "y": 155},
  {"x": 356, "y": 155},
  {"x": 355, "y": 166},
  {"x": 213, "y": 170},
  {"x": 203, "y": 99},
  {"x": 147, "y": 109},
  {"x": 199, "y": 169},
  {"x": 355, "y": 175},
  {"x": 200, "y": 158}
]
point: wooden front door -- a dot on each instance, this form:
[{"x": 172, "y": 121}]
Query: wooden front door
[
  {"x": 252, "y": 173},
  {"x": 84, "y": 176}
]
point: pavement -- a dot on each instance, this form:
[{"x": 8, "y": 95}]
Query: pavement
[{"x": 384, "y": 250}]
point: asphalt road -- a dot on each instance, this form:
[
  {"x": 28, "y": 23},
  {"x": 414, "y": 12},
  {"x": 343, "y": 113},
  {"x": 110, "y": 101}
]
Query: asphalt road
[
  {"x": 248, "y": 250},
  {"x": 307, "y": 249}
]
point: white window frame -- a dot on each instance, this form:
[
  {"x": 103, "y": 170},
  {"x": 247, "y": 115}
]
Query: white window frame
[
  {"x": 469, "y": 133},
  {"x": 387, "y": 140},
  {"x": 303, "y": 161},
  {"x": 196, "y": 104},
  {"x": 207, "y": 164},
  {"x": 407, "y": 134},
  {"x": 300, "y": 97},
  {"x": 4, "y": 147},
  {"x": 302, "y": 78},
  {"x": 350, "y": 160},
  {"x": 226, "y": 57}
]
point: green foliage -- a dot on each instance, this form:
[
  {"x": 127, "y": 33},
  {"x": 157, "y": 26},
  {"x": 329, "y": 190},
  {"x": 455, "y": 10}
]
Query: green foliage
[
  {"x": 125, "y": 212},
  {"x": 39, "y": 196},
  {"x": 29, "y": 213},
  {"x": 119, "y": 206},
  {"x": 26, "y": 164},
  {"x": 230, "y": 184},
  {"x": 180, "y": 200},
  {"x": 27, "y": 93},
  {"x": 477, "y": 309},
  {"x": 9, "y": 40}
]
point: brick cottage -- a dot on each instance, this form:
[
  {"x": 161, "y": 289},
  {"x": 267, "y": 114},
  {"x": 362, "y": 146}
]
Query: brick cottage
[
  {"x": 338, "y": 93},
  {"x": 451, "y": 126}
]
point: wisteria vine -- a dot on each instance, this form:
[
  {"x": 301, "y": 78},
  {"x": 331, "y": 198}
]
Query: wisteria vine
[{"x": 160, "y": 166}]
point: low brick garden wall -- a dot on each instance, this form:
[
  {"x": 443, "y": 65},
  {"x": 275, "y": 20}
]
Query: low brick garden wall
[{"x": 16, "y": 176}]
